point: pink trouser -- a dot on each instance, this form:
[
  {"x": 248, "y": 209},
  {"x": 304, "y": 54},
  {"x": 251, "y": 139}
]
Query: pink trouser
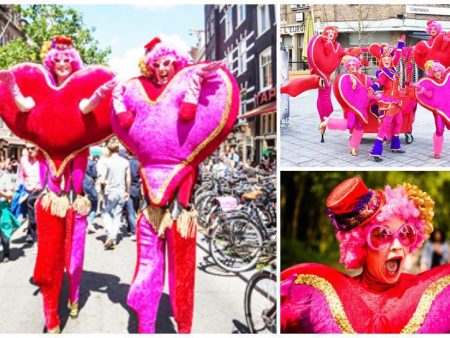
[
  {"x": 148, "y": 282},
  {"x": 390, "y": 125},
  {"x": 352, "y": 123},
  {"x": 440, "y": 124}
]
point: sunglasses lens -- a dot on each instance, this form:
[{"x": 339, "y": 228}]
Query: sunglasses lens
[
  {"x": 407, "y": 235},
  {"x": 380, "y": 237},
  {"x": 167, "y": 63},
  {"x": 155, "y": 65}
]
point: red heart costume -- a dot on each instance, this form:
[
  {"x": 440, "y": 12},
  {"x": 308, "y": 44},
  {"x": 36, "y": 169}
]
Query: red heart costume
[{"x": 69, "y": 112}]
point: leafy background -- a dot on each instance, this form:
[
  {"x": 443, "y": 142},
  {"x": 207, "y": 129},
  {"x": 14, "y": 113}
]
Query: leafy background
[{"x": 306, "y": 231}]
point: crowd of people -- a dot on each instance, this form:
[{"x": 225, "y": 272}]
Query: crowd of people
[{"x": 112, "y": 184}]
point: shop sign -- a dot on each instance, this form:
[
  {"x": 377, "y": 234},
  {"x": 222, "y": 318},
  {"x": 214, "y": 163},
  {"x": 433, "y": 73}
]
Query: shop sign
[{"x": 265, "y": 96}]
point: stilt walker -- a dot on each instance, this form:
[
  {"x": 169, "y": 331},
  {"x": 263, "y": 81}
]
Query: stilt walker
[
  {"x": 63, "y": 108},
  {"x": 172, "y": 117}
]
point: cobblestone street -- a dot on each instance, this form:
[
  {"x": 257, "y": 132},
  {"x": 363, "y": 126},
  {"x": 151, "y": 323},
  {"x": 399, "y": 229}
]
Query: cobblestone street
[{"x": 301, "y": 147}]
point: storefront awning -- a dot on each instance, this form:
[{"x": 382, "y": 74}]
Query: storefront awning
[
  {"x": 265, "y": 108},
  {"x": 15, "y": 141}
]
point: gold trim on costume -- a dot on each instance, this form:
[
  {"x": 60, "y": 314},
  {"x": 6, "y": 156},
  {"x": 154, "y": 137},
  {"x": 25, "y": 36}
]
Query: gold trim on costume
[
  {"x": 156, "y": 199},
  {"x": 332, "y": 298},
  {"x": 338, "y": 312},
  {"x": 431, "y": 292},
  {"x": 433, "y": 109},
  {"x": 356, "y": 110}
]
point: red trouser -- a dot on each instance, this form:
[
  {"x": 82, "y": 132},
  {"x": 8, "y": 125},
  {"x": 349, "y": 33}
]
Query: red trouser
[{"x": 55, "y": 244}]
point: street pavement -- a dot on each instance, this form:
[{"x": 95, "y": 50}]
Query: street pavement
[
  {"x": 301, "y": 147},
  {"x": 219, "y": 305}
]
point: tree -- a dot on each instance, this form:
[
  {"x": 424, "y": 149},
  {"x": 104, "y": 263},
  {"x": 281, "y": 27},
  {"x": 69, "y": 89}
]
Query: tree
[{"x": 41, "y": 23}]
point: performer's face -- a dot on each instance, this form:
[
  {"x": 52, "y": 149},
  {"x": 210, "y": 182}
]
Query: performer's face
[
  {"x": 386, "y": 60},
  {"x": 330, "y": 34},
  {"x": 433, "y": 31},
  {"x": 164, "y": 69},
  {"x": 386, "y": 264},
  {"x": 438, "y": 74},
  {"x": 63, "y": 66},
  {"x": 352, "y": 67}
]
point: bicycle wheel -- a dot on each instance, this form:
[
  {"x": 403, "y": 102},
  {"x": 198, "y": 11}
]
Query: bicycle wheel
[
  {"x": 260, "y": 304},
  {"x": 236, "y": 244}
]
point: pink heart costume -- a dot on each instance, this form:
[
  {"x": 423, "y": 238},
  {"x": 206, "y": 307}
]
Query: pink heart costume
[
  {"x": 172, "y": 118},
  {"x": 431, "y": 93},
  {"x": 61, "y": 220},
  {"x": 350, "y": 89},
  {"x": 324, "y": 56}
]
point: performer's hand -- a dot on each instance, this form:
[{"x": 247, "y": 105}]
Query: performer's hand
[
  {"x": 353, "y": 83},
  {"x": 88, "y": 105},
  {"x": 205, "y": 70},
  {"x": 24, "y": 104},
  {"x": 370, "y": 92},
  {"x": 126, "y": 197},
  {"x": 126, "y": 119}
]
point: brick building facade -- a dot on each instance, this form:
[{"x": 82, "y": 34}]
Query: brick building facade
[
  {"x": 10, "y": 145},
  {"x": 245, "y": 36}
]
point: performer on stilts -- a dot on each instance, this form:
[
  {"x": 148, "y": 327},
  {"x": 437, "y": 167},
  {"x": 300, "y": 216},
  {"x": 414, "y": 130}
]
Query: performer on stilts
[
  {"x": 61, "y": 211},
  {"x": 324, "y": 56},
  {"x": 354, "y": 117},
  {"x": 389, "y": 103},
  {"x": 430, "y": 95},
  {"x": 163, "y": 117}
]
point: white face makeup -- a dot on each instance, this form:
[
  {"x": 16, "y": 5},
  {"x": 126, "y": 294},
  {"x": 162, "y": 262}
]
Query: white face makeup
[
  {"x": 438, "y": 74},
  {"x": 433, "y": 31},
  {"x": 164, "y": 69},
  {"x": 386, "y": 60},
  {"x": 387, "y": 264},
  {"x": 352, "y": 68},
  {"x": 63, "y": 66}
]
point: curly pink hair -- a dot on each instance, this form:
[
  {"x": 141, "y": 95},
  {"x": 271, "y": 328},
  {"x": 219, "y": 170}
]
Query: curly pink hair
[
  {"x": 71, "y": 52},
  {"x": 432, "y": 23},
  {"x": 352, "y": 59},
  {"x": 164, "y": 49},
  {"x": 353, "y": 243}
]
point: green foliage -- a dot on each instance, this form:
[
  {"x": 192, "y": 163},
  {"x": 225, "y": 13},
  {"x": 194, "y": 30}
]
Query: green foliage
[
  {"x": 306, "y": 231},
  {"x": 44, "y": 22}
]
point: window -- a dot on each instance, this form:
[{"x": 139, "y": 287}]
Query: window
[
  {"x": 242, "y": 56},
  {"x": 229, "y": 57},
  {"x": 228, "y": 22},
  {"x": 240, "y": 14},
  {"x": 263, "y": 19},
  {"x": 265, "y": 69},
  {"x": 243, "y": 109}
]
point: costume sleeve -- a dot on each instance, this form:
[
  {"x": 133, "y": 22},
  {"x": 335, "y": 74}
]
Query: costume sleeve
[
  {"x": 117, "y": 98},
  {"x": 398, "y": 53},
  {"x": 381, "y": 78}
]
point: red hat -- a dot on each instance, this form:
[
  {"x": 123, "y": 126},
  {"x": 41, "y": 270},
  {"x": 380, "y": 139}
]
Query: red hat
[
  {"x": 151, "y": 44},
  {"x": 61, "y": 42},
  {"x": 351, "y": 204},
  {"x": 327, "y": 28}
]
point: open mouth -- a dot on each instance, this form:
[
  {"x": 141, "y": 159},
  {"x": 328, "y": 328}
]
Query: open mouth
[{"x": 393, "y": 265}]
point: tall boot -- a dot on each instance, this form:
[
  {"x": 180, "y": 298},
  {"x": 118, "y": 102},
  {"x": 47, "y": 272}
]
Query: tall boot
[
  {"x": 355, "y": 141},
  {"x": 377, "y": 150},
  {"x": 182, "y": 264},
  {"x": 395, "y": 145},
  {"x": 300, "y": 85},
  {"x": 49, "y": 268},
  {"x": 438, "y": 144},
  {"x": 148, "y": 282},
  {"x": 76, "y": 225}
]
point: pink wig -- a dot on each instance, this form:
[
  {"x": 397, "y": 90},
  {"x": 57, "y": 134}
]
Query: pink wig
[
  {"x": 354, "y": 60},
  {"x": 164, "y": 49},
  {"x": 71, "y": 52},
  {"x": 353, "y": 243},
  {"x": 432, "y": 23}
]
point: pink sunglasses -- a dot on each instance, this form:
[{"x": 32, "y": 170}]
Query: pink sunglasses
[{"x": 380, "y": 237}]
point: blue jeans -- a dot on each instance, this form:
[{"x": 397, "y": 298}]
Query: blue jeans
[
  {"x": 112, "y": 212},
  {"x": 131, "y": 215}
]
